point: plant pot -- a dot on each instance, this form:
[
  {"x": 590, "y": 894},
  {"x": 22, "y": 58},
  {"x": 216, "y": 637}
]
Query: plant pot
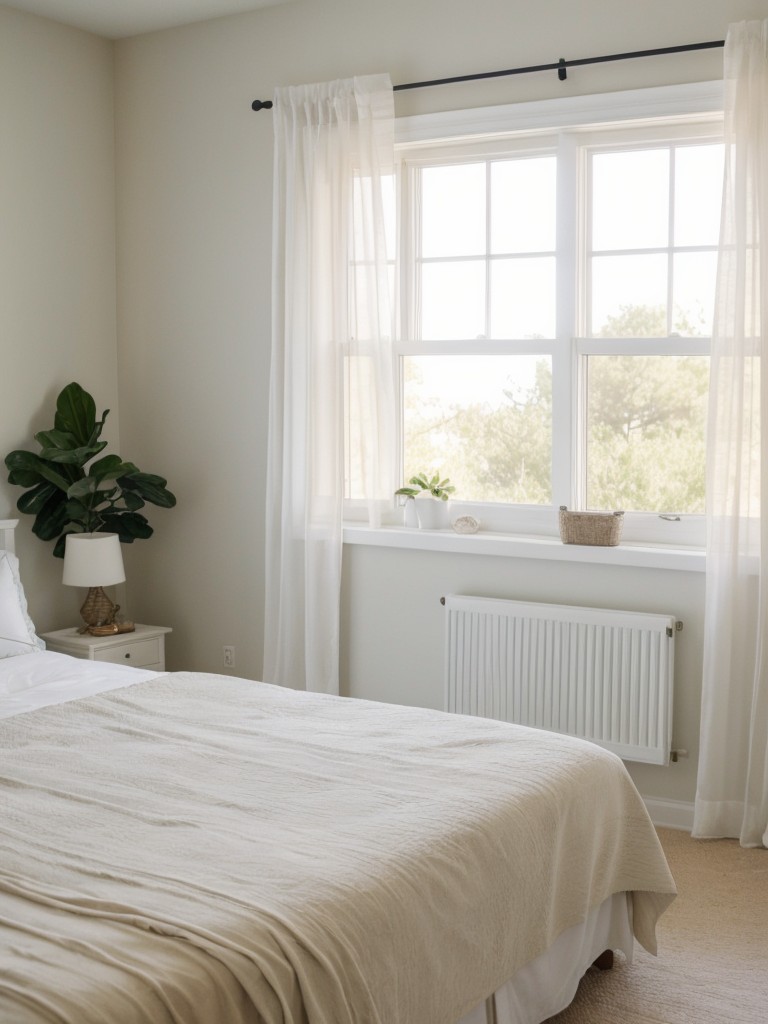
[
  {"x": 432, "y": 513},
  {"x": 410, "y": 516}
]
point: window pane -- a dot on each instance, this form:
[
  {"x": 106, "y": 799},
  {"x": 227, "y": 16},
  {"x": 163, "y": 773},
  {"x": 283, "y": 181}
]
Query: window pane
[
  {"x": 483, "y": 421},
  {"x": 634, "y": 284},
  {"x": 693, "y": 299},
  {"x": 523, "y": 205},
  {"x": 630, "y": 199},
  {"x": 646, "y": 432},
  {"x": 453, "y": 210},
  {"x": 523, "y": 298},
  {"x": 453, "y": 300},
  {"x": 698, "y": 194}
]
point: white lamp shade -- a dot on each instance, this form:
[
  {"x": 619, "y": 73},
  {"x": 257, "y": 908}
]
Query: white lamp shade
[{"x": 93, "y": 560}]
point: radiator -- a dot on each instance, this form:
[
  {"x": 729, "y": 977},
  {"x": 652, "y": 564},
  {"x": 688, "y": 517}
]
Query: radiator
[{"x": 605, "y": 676}]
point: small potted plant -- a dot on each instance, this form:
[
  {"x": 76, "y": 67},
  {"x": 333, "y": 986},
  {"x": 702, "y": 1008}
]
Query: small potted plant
[{"x": 431, "y": 492}]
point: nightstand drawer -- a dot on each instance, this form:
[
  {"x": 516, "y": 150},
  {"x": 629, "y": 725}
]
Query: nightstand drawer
[{"x": 139, "y": 653}]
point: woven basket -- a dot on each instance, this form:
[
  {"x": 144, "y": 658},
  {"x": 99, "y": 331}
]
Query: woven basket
[{"x": 598, "y": 528}]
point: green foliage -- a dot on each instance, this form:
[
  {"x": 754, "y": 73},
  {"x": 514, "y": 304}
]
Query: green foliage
[
  {"x": 645, "y": 430},
  {"x": 64, "y": 498},
  {"x": 433, "y": 485},
  {"x": 501, "y": 454},
  {"x": 646, "y": 442}
]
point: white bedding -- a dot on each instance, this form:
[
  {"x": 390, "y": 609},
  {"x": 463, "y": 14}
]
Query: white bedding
[
  {"x": 31, "y": 681},
  {"x": 375, "y": 863}
]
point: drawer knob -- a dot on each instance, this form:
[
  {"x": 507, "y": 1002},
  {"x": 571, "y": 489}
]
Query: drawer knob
[{"x": 127, "y": 654}]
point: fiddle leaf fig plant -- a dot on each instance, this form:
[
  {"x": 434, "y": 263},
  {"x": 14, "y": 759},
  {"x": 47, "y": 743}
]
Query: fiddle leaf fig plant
[
  {"x": 66, "y": 497},
  {"x": 421, "y": 483}
]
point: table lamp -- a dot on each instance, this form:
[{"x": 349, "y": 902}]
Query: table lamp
[{"x": 94, "y": 560}]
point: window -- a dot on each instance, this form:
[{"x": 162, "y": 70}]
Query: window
[{"x": 556, "y": 298}]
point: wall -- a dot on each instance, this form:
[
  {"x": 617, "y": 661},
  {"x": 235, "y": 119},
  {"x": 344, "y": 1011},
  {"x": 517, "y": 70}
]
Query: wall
[
  {"x": 57, "y": 254},
  {"x": 194, "y": 223}
]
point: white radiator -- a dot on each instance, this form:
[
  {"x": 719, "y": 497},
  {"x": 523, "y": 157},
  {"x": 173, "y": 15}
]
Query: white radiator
[{"x": 605, "y": 676}]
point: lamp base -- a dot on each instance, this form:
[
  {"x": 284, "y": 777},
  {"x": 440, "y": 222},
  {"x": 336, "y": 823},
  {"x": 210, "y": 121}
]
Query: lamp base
[{"x": 97, "y": 609}]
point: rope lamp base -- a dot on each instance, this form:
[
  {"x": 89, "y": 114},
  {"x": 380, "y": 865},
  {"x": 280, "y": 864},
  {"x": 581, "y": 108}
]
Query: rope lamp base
[{"x": 97, "y": 609}]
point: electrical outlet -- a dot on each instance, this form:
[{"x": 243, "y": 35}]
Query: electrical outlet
[{"x": 229, "y": 656}]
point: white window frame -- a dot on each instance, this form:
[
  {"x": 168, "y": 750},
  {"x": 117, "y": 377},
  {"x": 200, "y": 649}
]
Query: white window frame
[{"x": 481, "y": 130}]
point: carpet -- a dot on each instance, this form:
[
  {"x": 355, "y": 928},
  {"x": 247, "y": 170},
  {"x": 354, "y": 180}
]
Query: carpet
[{"x": 712, "y": 965}]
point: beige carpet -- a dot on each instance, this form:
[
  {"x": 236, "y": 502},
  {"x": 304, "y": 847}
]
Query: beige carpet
[{"x": 713, "y": 947}]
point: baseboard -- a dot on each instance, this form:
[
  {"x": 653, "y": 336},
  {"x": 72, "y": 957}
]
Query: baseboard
[{"x": 670, "y": 813}]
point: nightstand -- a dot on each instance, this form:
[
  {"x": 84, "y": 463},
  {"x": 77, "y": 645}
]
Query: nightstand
[{"x": 144, "y": 648}]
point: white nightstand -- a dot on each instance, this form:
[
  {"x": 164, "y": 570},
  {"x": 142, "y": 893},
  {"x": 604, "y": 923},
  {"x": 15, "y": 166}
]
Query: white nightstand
[{"x": 144, "y": 648}]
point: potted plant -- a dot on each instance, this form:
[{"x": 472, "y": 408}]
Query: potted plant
[
  {"x": 64, "y": 497},
  {"x": 432, "y": 492}
]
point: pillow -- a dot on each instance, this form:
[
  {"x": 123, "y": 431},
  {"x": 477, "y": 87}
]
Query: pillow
[{"x": 17, "y": 631}]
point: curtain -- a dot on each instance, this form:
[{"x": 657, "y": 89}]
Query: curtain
[
  {"x": 332, "y": 394},
  {"x": 732, "y": 787}
]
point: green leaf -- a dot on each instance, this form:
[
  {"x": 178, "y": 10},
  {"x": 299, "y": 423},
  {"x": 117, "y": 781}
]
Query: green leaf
[
  {"x": 61, "y": 440},
  {"x": 109, "y": 468},
  {"x": 52, "y": 517},
  {"x": 83, "y": 488},
  {"x": 129, "y": 526},
  {"x": 33, "y": 501},
  {"x": 411, "y": 492},
  {"x": 24, "y": 467},
  {"x": 98, "y": 427},
  {"x": 77, "y": 512},
  {"x": 73, "y": 457},
  {"x": 132, "y": 501},
  {"x": 150, "y": 487},
  {"x": 76, "y": 414},
  {"x": 29, "y": 465}
]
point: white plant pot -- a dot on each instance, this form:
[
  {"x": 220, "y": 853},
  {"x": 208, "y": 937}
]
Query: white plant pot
[
  {"x": 432, "y": 513},
  {"x": 410, "y": 515}
]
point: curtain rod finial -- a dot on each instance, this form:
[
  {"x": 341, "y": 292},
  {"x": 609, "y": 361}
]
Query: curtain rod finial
[{"x": 261, "y": 105}]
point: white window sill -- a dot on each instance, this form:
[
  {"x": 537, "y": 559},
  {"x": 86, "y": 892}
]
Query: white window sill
[{"x": 644, "y": 556}]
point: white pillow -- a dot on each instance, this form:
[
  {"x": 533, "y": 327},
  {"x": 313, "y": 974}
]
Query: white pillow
[{"x": 17, "y": 631}]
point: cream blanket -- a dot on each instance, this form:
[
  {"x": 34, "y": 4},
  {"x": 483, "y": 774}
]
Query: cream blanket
[{"x": 205, "y": 849}]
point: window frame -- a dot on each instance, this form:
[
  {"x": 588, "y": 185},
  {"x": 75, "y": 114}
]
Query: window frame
[{"x": 555, "y": 125}]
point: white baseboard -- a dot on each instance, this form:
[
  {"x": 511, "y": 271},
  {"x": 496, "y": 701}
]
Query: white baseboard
[{"x": 670, "y": 813}]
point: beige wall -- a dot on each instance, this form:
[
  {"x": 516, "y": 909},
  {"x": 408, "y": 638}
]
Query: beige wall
[
  {"x": 57, "y": 254},
  {"x": 194, "y": 226}
]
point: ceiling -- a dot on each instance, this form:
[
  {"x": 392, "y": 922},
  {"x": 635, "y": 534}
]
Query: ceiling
[{"x": 116, "y": 19}]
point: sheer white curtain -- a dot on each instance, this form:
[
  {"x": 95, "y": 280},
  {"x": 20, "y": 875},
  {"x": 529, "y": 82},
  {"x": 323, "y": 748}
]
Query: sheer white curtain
[
  {"x": 331, "y": 415},
  {"x": 732, "y": 790}
]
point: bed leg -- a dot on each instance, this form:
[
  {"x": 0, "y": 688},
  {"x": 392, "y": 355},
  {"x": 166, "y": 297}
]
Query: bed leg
[{"x": 605, "y": 961}]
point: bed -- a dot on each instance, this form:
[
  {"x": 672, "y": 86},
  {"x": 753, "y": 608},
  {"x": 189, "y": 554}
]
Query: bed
[{"x": 184, "y": 847}]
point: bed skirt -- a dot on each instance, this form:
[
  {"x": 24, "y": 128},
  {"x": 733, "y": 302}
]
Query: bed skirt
[{"x": 548, "y": 984}]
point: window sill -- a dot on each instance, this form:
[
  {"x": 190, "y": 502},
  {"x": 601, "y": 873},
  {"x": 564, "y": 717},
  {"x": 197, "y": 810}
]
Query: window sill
[{"x": 486, "y": 543}]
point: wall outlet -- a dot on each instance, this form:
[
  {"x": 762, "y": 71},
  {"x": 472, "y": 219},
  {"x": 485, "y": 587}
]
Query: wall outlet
[{"x": 229, "y": 656}]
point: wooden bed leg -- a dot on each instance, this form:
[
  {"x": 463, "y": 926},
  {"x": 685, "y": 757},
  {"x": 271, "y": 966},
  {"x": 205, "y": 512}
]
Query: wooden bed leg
[{"x": 605, "y": 961}]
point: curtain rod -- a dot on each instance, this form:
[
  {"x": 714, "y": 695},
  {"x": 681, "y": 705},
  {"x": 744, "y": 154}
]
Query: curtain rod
[{"x": 561, "y": 67}]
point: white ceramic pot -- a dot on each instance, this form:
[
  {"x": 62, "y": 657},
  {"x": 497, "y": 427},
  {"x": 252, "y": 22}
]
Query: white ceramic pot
[
  {"x": 432, "y": 513},
  {"x": 410, "y": 515}
]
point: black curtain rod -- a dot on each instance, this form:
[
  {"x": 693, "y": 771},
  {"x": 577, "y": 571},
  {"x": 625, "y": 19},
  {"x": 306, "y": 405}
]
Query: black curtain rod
[{"x": 561, "y": 67}]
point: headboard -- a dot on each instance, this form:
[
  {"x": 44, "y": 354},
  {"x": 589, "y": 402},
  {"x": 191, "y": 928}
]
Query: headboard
[{"x": 7, "y": 526}]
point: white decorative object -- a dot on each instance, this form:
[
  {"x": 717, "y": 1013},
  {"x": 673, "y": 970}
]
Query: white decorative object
[{"x": 466, "y": 524}]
